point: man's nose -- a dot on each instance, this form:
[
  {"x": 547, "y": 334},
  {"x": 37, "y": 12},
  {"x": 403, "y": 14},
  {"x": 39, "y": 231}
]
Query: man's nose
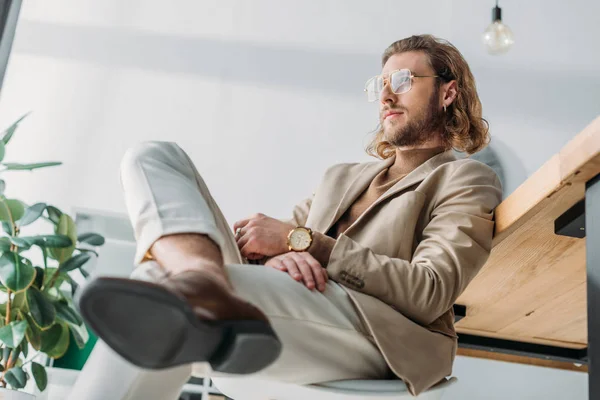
[{"x": 387, "y": 96}]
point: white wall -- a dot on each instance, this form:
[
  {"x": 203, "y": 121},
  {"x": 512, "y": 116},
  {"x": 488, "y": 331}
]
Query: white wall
[{"x": 264, "y": 95}]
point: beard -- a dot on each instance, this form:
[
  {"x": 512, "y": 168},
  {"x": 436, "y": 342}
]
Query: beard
[{"x": 425, "y": 125}]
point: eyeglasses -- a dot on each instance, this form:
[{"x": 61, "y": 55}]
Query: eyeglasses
[{"x": 400, "y": 81}]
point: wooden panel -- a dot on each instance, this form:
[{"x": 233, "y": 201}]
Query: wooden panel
[
  {"x": 541, "y": 323},
  {"x": 577, "y": 162},
  {"x": 522, "y": 360},
  {"x": 581, "y": 156},
  {"x": 533, "y": 286},
  {"x": 527, "y": 200}
]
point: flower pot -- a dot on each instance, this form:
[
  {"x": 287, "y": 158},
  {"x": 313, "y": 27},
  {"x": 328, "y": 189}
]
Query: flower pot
[{"x": 9, "y": 394}]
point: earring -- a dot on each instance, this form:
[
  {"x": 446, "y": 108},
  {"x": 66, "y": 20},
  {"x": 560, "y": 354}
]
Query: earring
[{"x": 444, "y": 108}]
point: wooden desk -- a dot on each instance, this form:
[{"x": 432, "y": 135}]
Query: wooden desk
[{"x": 531, "y": 295}]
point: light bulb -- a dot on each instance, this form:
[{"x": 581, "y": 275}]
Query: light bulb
[{"x": 498, "y": 38}]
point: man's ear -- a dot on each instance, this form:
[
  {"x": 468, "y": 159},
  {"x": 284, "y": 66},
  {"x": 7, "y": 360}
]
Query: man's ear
[{"x": 449, "y": 92}]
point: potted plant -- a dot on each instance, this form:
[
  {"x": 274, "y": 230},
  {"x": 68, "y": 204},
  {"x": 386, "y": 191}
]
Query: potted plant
[{"x": 37, "y": 312}]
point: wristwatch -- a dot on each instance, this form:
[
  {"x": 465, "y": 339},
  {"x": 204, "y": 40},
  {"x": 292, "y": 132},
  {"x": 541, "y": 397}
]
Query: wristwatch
[{"x": 300, "y": 239}]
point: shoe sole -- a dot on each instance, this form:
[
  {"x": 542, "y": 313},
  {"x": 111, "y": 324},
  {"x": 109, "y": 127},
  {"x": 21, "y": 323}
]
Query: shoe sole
[{"x": 154, "y": 329}]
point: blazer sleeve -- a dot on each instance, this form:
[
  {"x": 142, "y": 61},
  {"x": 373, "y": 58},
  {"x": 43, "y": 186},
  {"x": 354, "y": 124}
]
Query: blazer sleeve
[
  {"x": 455, "y": 244},
  {"x": 300, "y": 213}
]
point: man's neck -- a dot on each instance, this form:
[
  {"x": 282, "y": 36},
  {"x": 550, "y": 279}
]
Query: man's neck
[{"x": 410, "y": 157}]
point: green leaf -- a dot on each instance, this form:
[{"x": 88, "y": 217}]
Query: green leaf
[
  {"x": 10, "y": 131},
  {"x": 74, "y": 262},
  {"x": 80, "y": 334},
  {"x": 52, "y": 293},
  {"x": 50, "y": 337},
  {"x": 67, "y": 314},
  {"x": 91, "y": 238},
  {"x": 57, "y": 343},
  {"x": 53, "y": 214},
  {"x": 31, "y": 214},
  {"x": 30, "y": 167},
  {"x": 6, "y": 226},
  {"x": 2, "y": 186},
  {"x": 16, "y": 353},
  {"x": 11, "y": 210},
  {"x": 39, "y": 375},
  {"x": 12, "y": 334},
  {"x": 66, "y": 227},
  {"x": 2, "y": 150},
  {"x": 4, "y": 244},
  {"x": 49, "y": 241},
  {"x": 39, "y": 277},
  {"x": 14, "y": 274},
  {"x": 33, "y": 333},
  {"x": 20, "y": 302},
  {"x": 21, "y": 242},
  {"x": 16, "y": 377},
  {"x": 48, "y": 276},
  {"x": 6, "y": 353},
  {"x": 25, "y": 347},
  {"x": 73, "y": 284},
  {"x": 84, "y": 273},
  {"x": 41, "y": 309},
  {"x": 87, "y": 251}
]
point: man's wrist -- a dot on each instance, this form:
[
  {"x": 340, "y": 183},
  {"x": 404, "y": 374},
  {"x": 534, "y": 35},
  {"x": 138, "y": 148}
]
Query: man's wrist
[
  {"x": 299, "y": 239},
  {"x": 321, "y": 248}
]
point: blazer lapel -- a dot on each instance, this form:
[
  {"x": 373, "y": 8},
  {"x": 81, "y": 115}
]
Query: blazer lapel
[
  {"x": 356, "y": 187},
  {"x": 414, "y": 177}
]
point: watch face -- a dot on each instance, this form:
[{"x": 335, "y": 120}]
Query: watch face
[{"x": 300, "y": 239}]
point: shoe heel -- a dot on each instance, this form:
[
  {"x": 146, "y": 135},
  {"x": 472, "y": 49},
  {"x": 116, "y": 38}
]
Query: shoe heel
[{"x": 248, "y": 347}]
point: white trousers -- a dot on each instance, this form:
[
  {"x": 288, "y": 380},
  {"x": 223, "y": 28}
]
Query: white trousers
[{"x": 323, "y": 337}]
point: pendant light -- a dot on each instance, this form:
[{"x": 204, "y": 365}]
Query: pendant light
[{"x": 497, "y": 38}]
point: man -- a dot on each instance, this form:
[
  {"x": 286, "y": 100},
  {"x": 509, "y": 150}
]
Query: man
[{"x": 384, "y": 249}]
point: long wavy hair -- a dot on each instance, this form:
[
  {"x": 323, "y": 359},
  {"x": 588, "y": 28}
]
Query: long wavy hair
[{"x": 464, "y": 129}]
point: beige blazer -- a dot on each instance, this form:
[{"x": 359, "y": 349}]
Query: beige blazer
[{"x": 409, "y": 256}]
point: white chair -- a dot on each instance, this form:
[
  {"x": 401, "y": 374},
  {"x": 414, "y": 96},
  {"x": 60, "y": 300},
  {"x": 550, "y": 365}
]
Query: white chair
[{"x": 248, "y": 389}]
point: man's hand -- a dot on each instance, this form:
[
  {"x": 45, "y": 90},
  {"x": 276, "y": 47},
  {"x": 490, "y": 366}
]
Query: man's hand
[
  {"x": 301, "y": 266},
  {"x": 261, "y": 236}
]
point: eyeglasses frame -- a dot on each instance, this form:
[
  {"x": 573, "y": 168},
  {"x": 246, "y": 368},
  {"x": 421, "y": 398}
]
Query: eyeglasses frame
[{"x": 387, "y": 80}]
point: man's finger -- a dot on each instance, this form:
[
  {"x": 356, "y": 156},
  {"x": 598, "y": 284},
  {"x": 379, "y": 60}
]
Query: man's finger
[
  {"x": 241, "y": 223},
  {"x": 292, "y": 268},
  {"x": 319, "y": 272},
  {"x": 306, "y": 270},
  {"x": 241, "y": 241},
  {"x": 277, "y": 264},
  {"x": 248, "y": 247}
]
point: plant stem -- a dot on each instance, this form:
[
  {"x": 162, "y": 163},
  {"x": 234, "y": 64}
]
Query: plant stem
[
  {"x": 45, "y": 253},
  {"x": 7, "y": 366},
  {"x": 53, "y": 279},
  {"x": 4, "y": 364},
  {"x": 8, "y": 292},
  {"x": 10, "y": 362},
  {"x": 31, "y": 359},
  {"x": 87, "y": 250}
]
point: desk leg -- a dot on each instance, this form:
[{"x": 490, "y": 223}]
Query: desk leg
[{"x": 592, "y": 228}]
